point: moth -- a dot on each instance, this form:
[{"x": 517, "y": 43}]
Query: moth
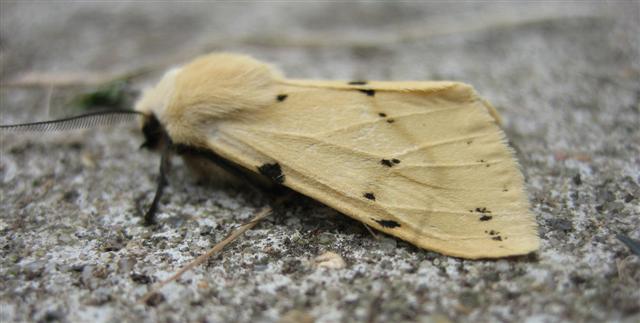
[{"x": 425, "y": 162}]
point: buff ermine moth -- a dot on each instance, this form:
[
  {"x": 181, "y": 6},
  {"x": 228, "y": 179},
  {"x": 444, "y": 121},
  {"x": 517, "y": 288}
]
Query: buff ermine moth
[{"x": 425, "y": 162}]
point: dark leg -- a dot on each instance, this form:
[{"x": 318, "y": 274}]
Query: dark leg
[{"x": 149, "y": 217}]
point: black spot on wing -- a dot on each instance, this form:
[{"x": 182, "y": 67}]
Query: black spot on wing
[
  {"x": 387, "y": 223},
  {"x": 497, "y": 238},
  {"x": 484, "y": 161},
  {"x": 486, "y": 217},
  {"x": 390, "y": 121},
  {"x": 370, "y": 196},
  {"x": 390, "y": 162},
  {"x": 368, "y": 92},
  {"x": 482, "y": 210},
  {"x": 382, "y": 114},
  {"x": 282, "y": 97},
  {"x": 272, "y": 171},
  {"x": 357, "y": 83}
]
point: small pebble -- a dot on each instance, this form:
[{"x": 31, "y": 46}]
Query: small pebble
[{"x": 330, "y": 260}]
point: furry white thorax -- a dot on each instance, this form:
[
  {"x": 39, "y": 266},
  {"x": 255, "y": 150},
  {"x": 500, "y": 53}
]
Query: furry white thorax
[{"x": 189, "y": 100}]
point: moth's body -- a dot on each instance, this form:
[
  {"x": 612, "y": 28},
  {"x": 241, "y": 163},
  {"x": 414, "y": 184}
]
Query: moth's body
[{"x": 423, "y": 161}]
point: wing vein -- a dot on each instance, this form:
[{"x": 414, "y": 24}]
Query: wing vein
[
  {"x": 438, "y": 143},
  {"x": 314, "y": 139},
  {"x": 450, "y": 165},
  {"x": 384, "y": 120},
  {"x": 410, "y": 208},
  {"x": 438, "y": 187}
]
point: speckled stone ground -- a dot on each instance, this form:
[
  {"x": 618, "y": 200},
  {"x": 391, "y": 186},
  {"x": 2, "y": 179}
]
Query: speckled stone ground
[{"x": 565, "y": 76}]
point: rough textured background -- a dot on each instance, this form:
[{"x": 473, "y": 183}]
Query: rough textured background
[{"x": 565, "y": 76}]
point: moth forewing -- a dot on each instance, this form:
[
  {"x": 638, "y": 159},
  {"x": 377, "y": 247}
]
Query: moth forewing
[{"x": 423, "y": 161}]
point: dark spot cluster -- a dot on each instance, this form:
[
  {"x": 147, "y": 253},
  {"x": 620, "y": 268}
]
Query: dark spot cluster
[
  {"x": 272, "y": 171},
  {"x": 495, "y": 235},
  {"x": 390, "y": 162},
  {"x": 369, "y": 196},
  {"x": 384, "y": 115},
  {"x": 483, "y": 210},
  {"x": 390, "y": 224},
  {"x": 357, "y": 83},
  {"x": 282, "y": 97},
  {"x": 486, "y": 217},
  {"x": 484, "y": 161}
]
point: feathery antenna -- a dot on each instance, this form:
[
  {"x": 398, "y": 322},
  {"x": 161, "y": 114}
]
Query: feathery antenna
[{"x": 92, "y": 119}]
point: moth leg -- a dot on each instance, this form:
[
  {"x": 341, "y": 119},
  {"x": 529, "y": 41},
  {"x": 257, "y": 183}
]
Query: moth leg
[
  {"x": 149, "y": 216},
  {"x": 375, "y": 236}
]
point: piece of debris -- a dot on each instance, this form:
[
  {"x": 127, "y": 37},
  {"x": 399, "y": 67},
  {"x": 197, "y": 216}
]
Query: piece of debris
[
  {"x": 330, "y": 260},
  {"x": 88, "y": 160},
  {"x": 296, "y": 316}
]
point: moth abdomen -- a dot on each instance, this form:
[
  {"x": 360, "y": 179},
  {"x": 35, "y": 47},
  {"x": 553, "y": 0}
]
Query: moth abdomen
[{"x": 216, "y": 169}]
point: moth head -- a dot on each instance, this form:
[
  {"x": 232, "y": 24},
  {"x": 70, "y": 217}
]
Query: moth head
[
  {"x": 154, "y": 134},
  {"x": 190, "y": 100},
  {"x": 153, "y": 103}
]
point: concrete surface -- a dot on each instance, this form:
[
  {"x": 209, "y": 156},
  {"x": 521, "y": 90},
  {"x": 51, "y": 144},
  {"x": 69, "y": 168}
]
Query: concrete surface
[{"x": 565, "y": 76}]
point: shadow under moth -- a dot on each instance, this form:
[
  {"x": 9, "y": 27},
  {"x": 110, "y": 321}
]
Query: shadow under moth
[{"x": 425, "y": 162}]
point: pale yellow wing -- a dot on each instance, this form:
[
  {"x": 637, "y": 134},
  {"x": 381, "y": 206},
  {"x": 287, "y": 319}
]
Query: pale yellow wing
[{"x": 423, "y": 161}]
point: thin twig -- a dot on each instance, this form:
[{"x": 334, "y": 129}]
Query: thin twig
[
  {"x": 38, "y": 79},
  {"x": 266, "y": 211},
  {"x": 48, "y": 97}
]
